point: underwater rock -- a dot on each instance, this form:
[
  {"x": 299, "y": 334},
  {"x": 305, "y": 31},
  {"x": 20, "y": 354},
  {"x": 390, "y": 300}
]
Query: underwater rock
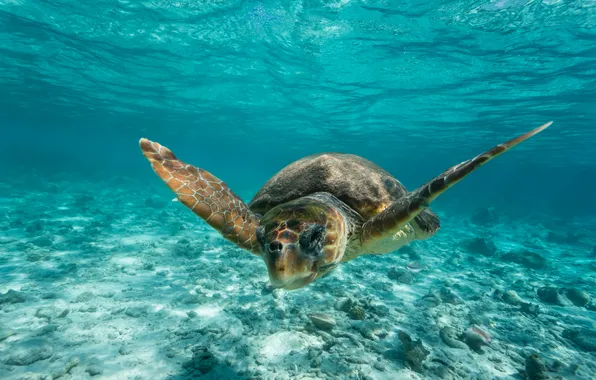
[
  {"x": 528, "y": 259},
  {"x": 137, "y": 311},
  {"x": 356, "y": 312},
  {"x": 37, "y": 256},
  {"x": 202, "y": 360},
  {"x": 28, "y": 352},
  {"x": 73, "y": 362},
  {"x": 410, "y": 251},
  {"x": 154, "y": 203},
  {"x": 191, "y": 314},
  {"x": 322, "y": 321},
  {"x": 84, "y": 297},
  {"x": 535, "y": 368},
  {"x": 476, "y": 338},
  {"x": 400, "y": 275},
  {"x": 550, "y": 294},
  {"x": 415, "y": 266},
  {"x": 481, "y": 246},
  {"x": 345, "y": 304},
  {"x": 46, "y": 313},
  {"x": 431, "y": 299},
  {"x": 125, "y": 350},
  {"x": 12, "y": 296},
  {"x": 84, "y": 200},
  {"x": 511, "y": 297},
  {"x": 277, "y": 293},
  {"x": 414, "y": 351},
  {"x": 94, "y": 370},
  {"x": 583, "y": 338},
  {"x": 184, "y": 248},
  {"x": 42, "y": 241},
  {"x": 45, "y": 330},
  {"x": 530, "y": 308},
  {"x": 370, "y": 330},
  {"x": 449, "y": 337},
  {"x": 559, "y": 238},
  {"x": 577, "y": 297},
  {"x": 449, "y": 297},
  {"x": 34, "y": 227},
  {"x": 484, "y": 216}
]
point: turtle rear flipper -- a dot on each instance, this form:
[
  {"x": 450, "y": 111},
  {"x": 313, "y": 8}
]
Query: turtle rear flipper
[
  {"x": 389, "y": 222},
  {"x": 206, "y": 195}
]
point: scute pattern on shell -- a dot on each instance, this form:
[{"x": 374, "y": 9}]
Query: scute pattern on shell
[{"x": 356, "y": 181}]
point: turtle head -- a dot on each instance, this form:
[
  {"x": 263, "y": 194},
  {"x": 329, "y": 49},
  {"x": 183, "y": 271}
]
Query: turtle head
[{"x": 301, "y": 241}]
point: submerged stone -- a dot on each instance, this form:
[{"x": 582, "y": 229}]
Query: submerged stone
[
  {"x": 410, "y": 252},
  {"x": 476, "y": 338},
  {"x": 449, "y": 337},
  {"x": 414, "y": 351},
  {"x": 484, "y": 216},
  {"x": 12, "y": 296},
  {"x": 511, "y": 297},
  {"x": 400, "y": 275},
  {"x": 345, "y": 304},
  {"x": 84, "y": 200},
  {"x": 583, "y": 338},
  {"x": 449, "y": 297},
  {"x": 42, "y": 241},
  {"x": 481, "y": 246},
  {"x": 94, "y": 370},
  {"x": 28, "y": 352},
  {"x": 530, "y": 308},
  {"x": 560, "y": 238},
  {"x": 550, "y": 294},
  {"x": 84, "y": 297},
  {"x": 154, "y": 203},
  {"x": 356, "y": 312},
  {"x": 535, "y": 368},
  {"x": 577, "y": 297},
  {"x": 202, "y": 360},
  {"x": 528, "y": 259},
  {"x": 322, "y": 321}
]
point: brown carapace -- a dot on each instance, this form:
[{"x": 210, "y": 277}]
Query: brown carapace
[{"x": 316, "y": 212}]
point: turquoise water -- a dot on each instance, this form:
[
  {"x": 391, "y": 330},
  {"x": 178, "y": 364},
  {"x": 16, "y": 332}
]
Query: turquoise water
[{"x": 243, "y": 88}]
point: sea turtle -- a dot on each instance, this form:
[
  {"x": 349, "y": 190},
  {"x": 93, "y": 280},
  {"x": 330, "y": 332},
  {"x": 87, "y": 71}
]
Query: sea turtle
[{"x": 317, "y": 212}]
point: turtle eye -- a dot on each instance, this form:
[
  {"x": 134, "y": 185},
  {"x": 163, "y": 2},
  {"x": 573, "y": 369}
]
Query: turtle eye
[{"x": 311, "y": 241}]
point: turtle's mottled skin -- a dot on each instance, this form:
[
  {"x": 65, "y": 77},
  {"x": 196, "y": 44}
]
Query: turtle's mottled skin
[{"x": 317, "y": 212}]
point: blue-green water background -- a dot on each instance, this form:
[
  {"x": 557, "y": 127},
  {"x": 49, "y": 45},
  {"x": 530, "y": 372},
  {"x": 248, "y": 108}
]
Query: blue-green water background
[{"x": 242, "y": 88}]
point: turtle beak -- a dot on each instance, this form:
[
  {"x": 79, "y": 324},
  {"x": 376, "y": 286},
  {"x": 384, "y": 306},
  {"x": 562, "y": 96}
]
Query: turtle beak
[
  {"x": 286, "y": 269},
  {"x": 292, "y": 284}
]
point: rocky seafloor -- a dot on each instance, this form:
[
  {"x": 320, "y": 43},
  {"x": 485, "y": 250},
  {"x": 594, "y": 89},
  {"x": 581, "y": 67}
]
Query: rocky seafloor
[{"x": 115, "y": 282}]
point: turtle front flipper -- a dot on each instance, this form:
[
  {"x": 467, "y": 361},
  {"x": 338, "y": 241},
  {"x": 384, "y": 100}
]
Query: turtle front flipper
[
  {"x": 386, "y": 226},
  {"x": 206, "y": 195}
]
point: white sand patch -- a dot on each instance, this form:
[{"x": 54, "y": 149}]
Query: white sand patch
[
  {"x": 276, "y": 346},
  {"x": 208, "y": 311},
  {"x": 125, "y": 260}
]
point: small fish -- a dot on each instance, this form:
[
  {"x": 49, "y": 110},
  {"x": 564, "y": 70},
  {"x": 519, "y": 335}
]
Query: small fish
[{"x": 175, "y": 200}]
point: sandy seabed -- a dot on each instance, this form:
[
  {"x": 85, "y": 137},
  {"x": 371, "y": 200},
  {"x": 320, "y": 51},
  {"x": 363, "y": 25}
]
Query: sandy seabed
[{"x": 120, "y": 283}]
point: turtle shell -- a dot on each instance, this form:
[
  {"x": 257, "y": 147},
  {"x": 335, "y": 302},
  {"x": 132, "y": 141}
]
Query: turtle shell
[{"x": 358, "y": 182}]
